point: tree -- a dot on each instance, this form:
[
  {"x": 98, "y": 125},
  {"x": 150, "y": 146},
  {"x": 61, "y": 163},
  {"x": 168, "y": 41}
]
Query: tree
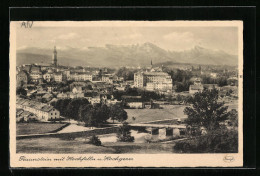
[
  {"x": 221, "y": 141},
  {"x": 125, "y": 73},
  {"x": 84, "y": 112},
  {"x": 102, "y": 113},
  {"x": 21, "y": 91},
  {"x": 124, "y": 133},
  {"x": 205, "y": 110},
  {"x": 94, "y": 115},
  {"x": 233, "y": 118},
  {"x": 222, "y": 81},
  {"x": 70, "y": 107},
  {"x": 95, "y": 140},
  {"x": 118, "y": 113},
  {"x": 90, "y": 87}
]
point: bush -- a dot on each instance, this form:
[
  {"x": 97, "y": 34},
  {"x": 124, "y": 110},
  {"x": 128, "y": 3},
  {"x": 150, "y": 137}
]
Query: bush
[
  {"x": 124, "y": 134},
  {"x": 95, "y": 140},
  {"x": 68, "y": 137},
  {"x": 222, "y": 141}
]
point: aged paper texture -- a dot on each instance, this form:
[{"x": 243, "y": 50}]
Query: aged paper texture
[{"x": 126, "y": 94}]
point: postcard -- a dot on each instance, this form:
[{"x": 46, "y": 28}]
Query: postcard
[{"x": 126, "y": 94}]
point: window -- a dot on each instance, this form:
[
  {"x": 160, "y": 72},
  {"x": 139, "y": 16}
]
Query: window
[{"x": 51, "y": 113}]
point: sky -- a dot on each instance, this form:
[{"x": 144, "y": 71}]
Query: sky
[{"x": 175, "y": 38}]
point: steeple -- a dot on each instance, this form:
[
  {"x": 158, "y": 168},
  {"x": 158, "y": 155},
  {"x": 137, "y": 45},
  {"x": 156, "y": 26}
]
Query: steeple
[
  {"x": 151, "y": 62},
  {"x": 54, "y": 59}
]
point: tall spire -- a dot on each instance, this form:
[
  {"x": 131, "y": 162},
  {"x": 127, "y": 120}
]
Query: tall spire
[
  {"x": 151, "y": 62},
  {"x": 54, "y": 60}
]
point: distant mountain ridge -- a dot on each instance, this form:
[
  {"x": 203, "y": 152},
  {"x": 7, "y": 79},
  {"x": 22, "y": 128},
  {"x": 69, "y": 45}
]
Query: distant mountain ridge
[{"x": 125, "y": 55}]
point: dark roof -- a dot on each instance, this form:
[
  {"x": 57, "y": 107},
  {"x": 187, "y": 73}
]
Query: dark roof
[
  {"x": 22, "y": 73},
  {"x": 131, "y": 97}
]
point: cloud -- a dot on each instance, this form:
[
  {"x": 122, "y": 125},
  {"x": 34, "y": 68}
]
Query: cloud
[
  {"x": 134, "y": 36},
  {"x": 181, "y": 40},
  {"x": 68, "y": 36},
  {"x": 179, "y": 36}
]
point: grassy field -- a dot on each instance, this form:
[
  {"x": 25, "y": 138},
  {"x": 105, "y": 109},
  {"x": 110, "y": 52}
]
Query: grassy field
[
  {"x": 42, "y": 145},
  {"x": 168, "y": 112},
  {"x": 146, "y": 115},
  {"x": 36, "y": 128}
]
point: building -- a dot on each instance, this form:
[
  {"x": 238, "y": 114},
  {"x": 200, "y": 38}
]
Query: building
[
  {"x": 24, "y": 116},
  {"x": 77, "y": 89},
  {"x": 213, "y": 75},
  {"x": 62, "y": 96},
  {"x": 211, "y": 86},
  {"x": 107, "y": 79},
  {"x": 36, "y": 74},
  {"x": 134, "y": 102},
  {"x": 21, "y": 78},
  {"x": 195, "y": 88},
  {"x": 57, "y": 77},
  {"x": 47, "y": 97},
  {"x": 76, "y": 95},
  {"x": 76, "y": 84},
  {"x": 95, "y": 100},
  {"x": 196, "y": 71},
  {"x": 54, "y": 59},
  {"x": 43, "y": 111},
  {"x": 233, "y": 81},
  {"x": 78, "y": 76},
  {"x": 48, "y": 76},
  {"x": 51, "y": 88},
  {"x": 139, "y": 80},
  {"x": 153, "y": 81}
]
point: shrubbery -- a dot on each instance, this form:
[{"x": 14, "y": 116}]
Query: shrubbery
[
  {"x": 207, "y": 113},
  {"x": 221, "y": 141},
  {"x": 95, "y": 140},
  {"x": 68, "y": 137},
  {"x": 124, "y": 134}
]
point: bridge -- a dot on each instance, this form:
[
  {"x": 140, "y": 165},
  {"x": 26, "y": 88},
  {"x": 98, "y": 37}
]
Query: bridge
[
  {"x": 147, "y": 125},
  {"x": 163, "y": 130}
]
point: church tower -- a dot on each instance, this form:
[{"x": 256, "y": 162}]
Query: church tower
[{"x": 54, "y": 59}]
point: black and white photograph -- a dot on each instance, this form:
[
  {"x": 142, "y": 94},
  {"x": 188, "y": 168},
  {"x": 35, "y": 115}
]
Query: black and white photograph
[{"x": 93, "y": 92}]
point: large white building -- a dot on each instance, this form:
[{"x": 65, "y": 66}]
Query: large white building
[
  {"x": 43, "y": 111},
  {"x": 153, "y": 81},
  {"x": 84, "y": 76}
]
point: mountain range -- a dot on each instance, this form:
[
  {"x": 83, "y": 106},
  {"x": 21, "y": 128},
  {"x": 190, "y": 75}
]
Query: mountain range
[{"x": 125, "y": 55}]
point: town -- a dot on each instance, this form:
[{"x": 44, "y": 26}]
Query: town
[{"x": 89, "y": 98}]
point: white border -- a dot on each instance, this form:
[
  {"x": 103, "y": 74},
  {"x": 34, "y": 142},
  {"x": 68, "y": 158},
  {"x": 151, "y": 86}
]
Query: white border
[{"x": 140, "y": 160}]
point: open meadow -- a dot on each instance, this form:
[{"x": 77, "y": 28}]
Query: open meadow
[
  {"x": 147, "y": 115},
  {"x": 37, "y": 128},
  {"x": 57, "y": 145}
]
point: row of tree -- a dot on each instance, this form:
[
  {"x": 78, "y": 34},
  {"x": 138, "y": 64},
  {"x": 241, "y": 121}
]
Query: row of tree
[
  {"x": 127, "y": 74},
  {"x": 92, "y": 115},
  {"x": 221, "y": 81}
]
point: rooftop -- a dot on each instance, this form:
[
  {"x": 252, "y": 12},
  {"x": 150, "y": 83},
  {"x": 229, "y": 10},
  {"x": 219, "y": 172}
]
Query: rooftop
[
  {"x": 156, "y": 74},
  {"x": 34, "y": 104}
]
